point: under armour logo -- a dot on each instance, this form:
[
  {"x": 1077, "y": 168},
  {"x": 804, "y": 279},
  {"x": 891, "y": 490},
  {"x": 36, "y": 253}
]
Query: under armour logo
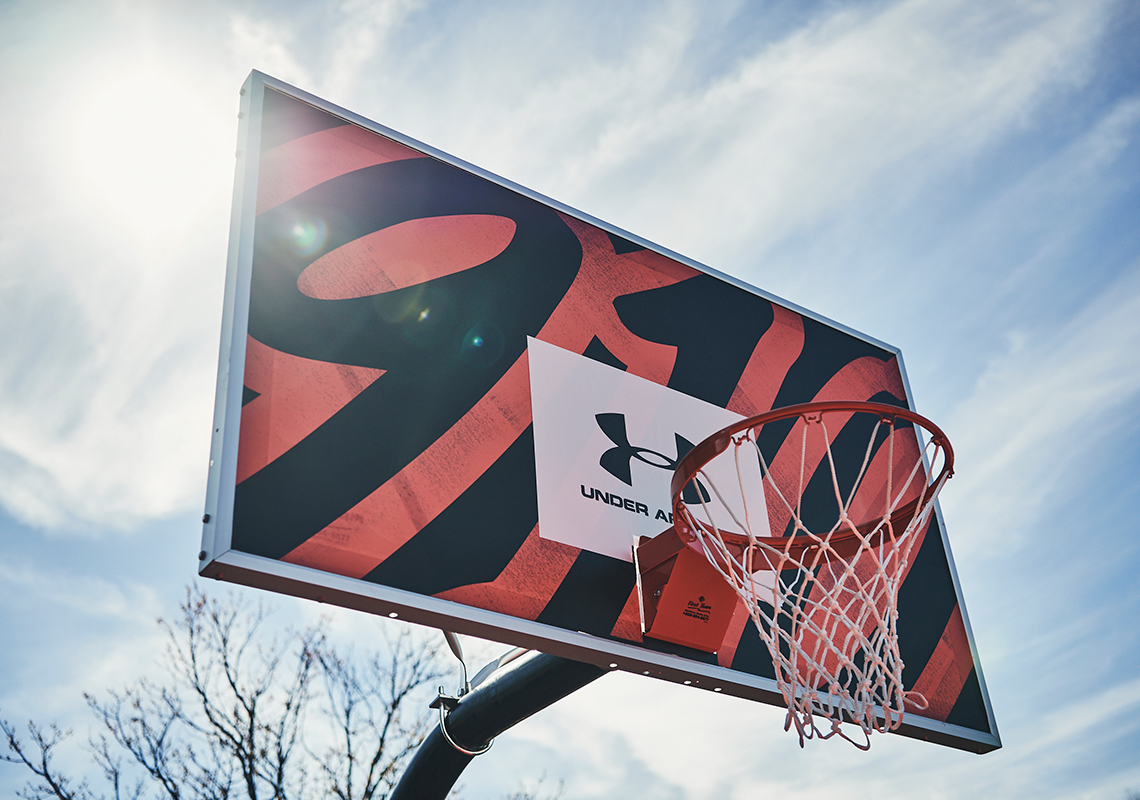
[{"x": 618, "y": 459}]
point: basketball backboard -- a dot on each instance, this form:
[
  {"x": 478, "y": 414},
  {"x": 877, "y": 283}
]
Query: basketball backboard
[{"x": 446, "y": 398}]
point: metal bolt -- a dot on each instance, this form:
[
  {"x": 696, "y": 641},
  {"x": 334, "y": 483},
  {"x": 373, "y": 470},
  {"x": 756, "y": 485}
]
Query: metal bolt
[
  {"x": 201, "y": 555},
  {"x": 205, "y": 518}
]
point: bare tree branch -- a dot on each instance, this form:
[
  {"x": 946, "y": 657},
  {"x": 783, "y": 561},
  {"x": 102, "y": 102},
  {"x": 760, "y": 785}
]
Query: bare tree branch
[
  {"x": 366, "y": 711},
  {"x": 47, "y": 782},
  {"x": 240, "y": 713}
]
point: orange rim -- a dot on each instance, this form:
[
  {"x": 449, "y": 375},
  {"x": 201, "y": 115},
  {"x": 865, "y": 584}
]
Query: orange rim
[{"x": 795, "y": 546}]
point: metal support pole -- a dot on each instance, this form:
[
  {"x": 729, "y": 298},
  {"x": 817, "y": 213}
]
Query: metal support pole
[{"x": 523, "y": 687}]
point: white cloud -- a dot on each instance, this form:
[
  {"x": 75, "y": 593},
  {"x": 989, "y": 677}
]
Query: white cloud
[
  {"x": 362, "y": 32},
  {"x": 624, "y": 732},
  {"x": 66, "y": 650},
  {"x": 266, "y": 45},
  {"x": 910, "y": 90},
  {"x": 1038, "y": 415},
  {"x": 113, "y": 245}
]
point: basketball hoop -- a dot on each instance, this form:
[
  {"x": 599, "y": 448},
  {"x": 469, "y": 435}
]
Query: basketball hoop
[{"x": 814, "y": 535}]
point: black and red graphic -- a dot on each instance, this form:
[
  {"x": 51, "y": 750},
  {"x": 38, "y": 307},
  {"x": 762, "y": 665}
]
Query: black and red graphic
[{"x": 385, "y": 428}]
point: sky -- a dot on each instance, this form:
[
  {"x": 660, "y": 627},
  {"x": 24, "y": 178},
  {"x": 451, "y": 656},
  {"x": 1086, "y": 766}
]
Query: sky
[{"x": 957, "y": 179}]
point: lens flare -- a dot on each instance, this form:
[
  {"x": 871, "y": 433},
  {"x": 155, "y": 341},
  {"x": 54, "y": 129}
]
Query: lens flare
[
  {"x": 430, "y": 322},
  {"x": 308, "y": 236},
  {"x": 482, "y": 346}
]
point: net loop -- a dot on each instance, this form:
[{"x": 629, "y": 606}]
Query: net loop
[{"x": 815, "y": 536}]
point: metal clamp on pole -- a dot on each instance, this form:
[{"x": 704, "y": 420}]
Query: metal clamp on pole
[
  {"x": 519, "y": 684},
  {"x": 445, "y": 704}
]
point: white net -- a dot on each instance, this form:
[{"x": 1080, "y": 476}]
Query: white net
[{"x": 815, "y": 537}]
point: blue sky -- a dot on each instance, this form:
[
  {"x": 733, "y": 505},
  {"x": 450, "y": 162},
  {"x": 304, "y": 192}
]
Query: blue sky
[{"x": 960, "y": 180}]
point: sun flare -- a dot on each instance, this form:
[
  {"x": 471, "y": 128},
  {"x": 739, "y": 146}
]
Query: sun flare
[{"x": 139, "y": 147}]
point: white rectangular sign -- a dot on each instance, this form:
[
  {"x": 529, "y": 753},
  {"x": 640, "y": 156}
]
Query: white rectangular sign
[{"x": 605, "y": 445}]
